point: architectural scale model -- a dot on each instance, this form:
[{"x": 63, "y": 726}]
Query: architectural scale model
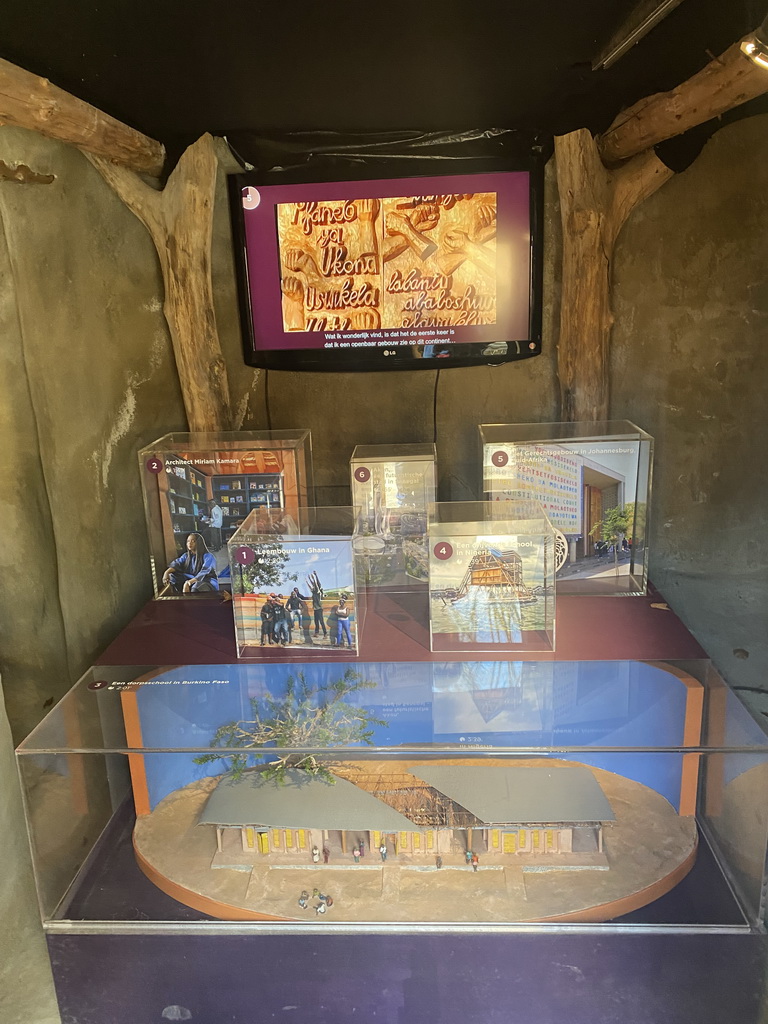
[
  {"x": 404, "y": 796},
  {"x": 419, "y": 840}
]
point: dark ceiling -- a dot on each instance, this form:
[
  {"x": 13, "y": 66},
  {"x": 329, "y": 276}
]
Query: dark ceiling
[{"x": 175, "y": 70}]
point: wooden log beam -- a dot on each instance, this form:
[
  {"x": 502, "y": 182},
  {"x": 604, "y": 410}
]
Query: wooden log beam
[
  {"x": 180, "y": 221},
  {"x": 594, "y": 204},
  {"x": 726, "y": 82},
  {"x": 27, "y": 101}
]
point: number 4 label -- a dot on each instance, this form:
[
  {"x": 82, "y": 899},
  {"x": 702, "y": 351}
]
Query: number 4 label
[{"x": 442, "y": 550}]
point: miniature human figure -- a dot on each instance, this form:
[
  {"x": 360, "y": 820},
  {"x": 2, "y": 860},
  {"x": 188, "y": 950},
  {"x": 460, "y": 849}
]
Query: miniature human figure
[
  {"x": 342, "y": 623},
  {"x": 383, "y": 851},
  {"x": 468, "y": 856},
  {"x": 361, "y": 847},
  {"x": 293, "y": 604},
  {"x": 304, "y": 899},
  {"x": 329, "y": 901},
  {"x": 193, "y": 572},
  {"x": 475, "y": 861},
  {"x": 356, "y": 855},
  {"x": 215, "y": 521},
  {"x": 326, "y": 855},
  {"x": 281, "y": 621},
  {"x": 267, "y": 622},
  {"x": 320, "y": 908},
  {"x": 438, "y": 862},
  {"x": 315, "y": 855}
]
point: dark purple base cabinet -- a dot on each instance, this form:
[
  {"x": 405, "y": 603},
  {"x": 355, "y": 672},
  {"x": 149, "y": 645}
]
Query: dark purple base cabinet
[{"x": 410, "y": 979}]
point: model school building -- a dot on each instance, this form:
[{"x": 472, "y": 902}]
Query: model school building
[{"x": 419, "y": 811}]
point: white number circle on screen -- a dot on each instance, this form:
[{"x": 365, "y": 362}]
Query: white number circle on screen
[
  {"x": 442, "y": 550},
  {"x": 251, "y": 197}
]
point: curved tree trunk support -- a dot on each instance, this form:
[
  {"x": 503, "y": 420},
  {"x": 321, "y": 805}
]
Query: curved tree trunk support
[
  {"x": 27, "y": 101},
  {"x": 594, "y": 204},
  {"x": 726, "y": 82},
  {"x": 180, "y": 221}
]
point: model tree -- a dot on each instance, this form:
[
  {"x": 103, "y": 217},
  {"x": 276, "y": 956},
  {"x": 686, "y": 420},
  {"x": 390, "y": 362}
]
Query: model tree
[{"x": 306, "y": 716}]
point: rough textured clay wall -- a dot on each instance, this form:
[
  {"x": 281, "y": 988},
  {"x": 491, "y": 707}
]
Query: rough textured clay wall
[
  {"x": 689, "y": 365},
  {"x": 88, "y": 378}
]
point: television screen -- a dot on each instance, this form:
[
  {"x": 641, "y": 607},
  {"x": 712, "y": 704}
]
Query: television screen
[{"x": 390, "y": 273}]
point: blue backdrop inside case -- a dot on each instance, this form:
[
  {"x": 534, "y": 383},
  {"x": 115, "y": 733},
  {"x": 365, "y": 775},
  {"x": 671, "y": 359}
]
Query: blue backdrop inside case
[{"x": 467, "y": 705}]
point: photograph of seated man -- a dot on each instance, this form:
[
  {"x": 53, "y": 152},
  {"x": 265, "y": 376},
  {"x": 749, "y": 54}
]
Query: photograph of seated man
[{"x": 194, "y": 571}]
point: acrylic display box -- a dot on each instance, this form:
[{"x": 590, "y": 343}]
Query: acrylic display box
[
  {"x": 205, "y": 486},
  {"x": 491, "y": 577},
  {"x": 594, "y": 483},
  {"x": 621, "y": 795},
  {"x": 294, "y": 586},
  {"x": 392, "y": 487}
]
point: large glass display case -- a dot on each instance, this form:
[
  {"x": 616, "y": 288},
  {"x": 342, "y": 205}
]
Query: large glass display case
[
  {"x": 294, "y": 585},
  {"x": 491, "y": 577},
  {"x": 200, "y": 488},
  {"x": 593, "y": 481},
  {"x": 618, "y": 795},
  {"x": 392, "y": 487}
]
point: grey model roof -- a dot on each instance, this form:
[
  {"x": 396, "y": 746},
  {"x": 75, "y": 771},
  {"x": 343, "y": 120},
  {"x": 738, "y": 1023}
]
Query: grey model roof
[
  {"x": 522, "y": 793},
  {"x": 302, "y": 801}
]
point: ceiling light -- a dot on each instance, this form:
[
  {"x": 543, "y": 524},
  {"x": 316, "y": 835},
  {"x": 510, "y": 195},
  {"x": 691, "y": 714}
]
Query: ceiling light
[{"x": 756, "y": 45}]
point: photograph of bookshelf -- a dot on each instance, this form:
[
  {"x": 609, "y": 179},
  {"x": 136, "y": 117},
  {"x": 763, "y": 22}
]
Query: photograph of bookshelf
[
  {"x": 239, "y": 495},
  {"x": 186, "y": 499}
]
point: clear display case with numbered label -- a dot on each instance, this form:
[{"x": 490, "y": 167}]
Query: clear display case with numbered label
[
  {"x": 392, "y": 487},
  {"x": 594, "y": 483},
  {"x": 295, "y": 586},
  {"x": 491, "y": 577},
  {"x": 200, "y": 488}
]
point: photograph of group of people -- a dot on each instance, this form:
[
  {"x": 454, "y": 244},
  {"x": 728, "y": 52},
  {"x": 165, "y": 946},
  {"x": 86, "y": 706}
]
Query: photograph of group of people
[
  {"x": 305, "y": 619},
  {"x": 296, "y": 592}
]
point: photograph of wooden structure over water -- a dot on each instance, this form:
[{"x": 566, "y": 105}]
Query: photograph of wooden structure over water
[{"x": 490, "y": 591}]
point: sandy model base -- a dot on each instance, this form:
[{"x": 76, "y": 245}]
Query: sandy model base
[{"x": 648, "y": 849}]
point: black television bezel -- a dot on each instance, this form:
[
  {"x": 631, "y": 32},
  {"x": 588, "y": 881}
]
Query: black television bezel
[{"x": 363, "y": 360}]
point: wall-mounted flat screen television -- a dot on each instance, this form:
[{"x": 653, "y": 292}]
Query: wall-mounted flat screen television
[{"x": 402, "y": 272}]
